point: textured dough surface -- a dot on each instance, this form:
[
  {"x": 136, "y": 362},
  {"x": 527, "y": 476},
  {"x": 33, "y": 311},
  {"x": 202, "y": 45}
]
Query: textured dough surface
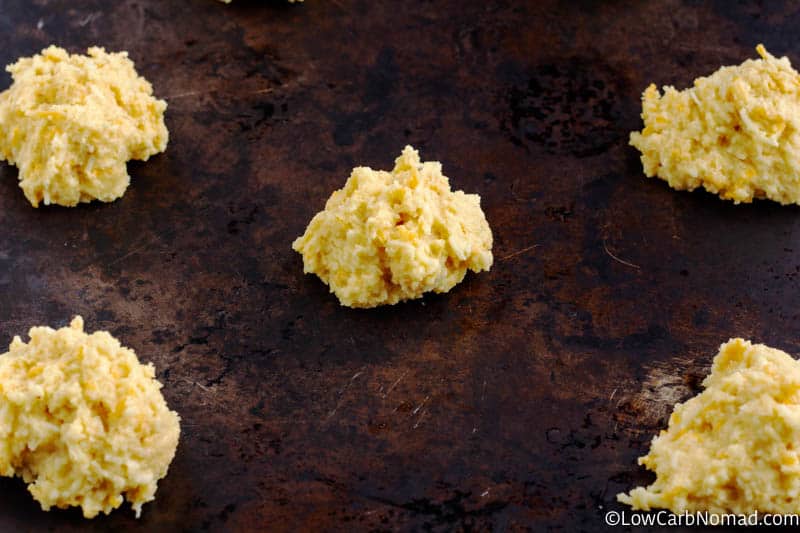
[
  {"x": 71, "y": 123},
  {"x": 735, "y": 447},
  {"x": 392, "y": 236},
  {"x": 82, "y": 421},
  {"x": 735, "y": 133}
]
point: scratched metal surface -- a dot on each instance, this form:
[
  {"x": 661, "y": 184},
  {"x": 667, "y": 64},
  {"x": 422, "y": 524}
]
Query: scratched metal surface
[{"x": 518, "y": 401}]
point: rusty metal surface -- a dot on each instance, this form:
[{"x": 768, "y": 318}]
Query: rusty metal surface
[{"x": 519, "y": 400}]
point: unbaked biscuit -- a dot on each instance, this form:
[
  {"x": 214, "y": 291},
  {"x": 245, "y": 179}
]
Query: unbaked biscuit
[
  {"x": 71, "y": 123},
  {"x": 733, "y": 448},
  {"x": 82, "y": 421},
  {"x": 736, "y": 133},
  {"x": 392, "y": 236}
]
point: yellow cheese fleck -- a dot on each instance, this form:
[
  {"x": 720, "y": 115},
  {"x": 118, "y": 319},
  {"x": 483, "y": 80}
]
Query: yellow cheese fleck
[
  {"x": 71, "y": 123},
  {"x": 734, "y": 447},
  {"x": 735, "y": 133},
  {"x": 392, "y": 236},
  {"x": 82, "y": 421}
]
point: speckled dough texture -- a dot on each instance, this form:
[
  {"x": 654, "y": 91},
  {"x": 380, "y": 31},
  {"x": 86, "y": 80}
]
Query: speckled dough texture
[
  {"x": 735, "y": 133},
  {"x": 734, "y": 447},
  {"x": 82, "y": 421},
  {"x": 392, "y": 236},
  {"x": 71, "y": 123}
]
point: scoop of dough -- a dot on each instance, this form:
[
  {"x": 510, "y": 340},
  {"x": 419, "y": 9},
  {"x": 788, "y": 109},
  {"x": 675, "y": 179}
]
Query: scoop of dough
[
  {"x": 71, "y": 122},
  {"x": 735, "y": 133},
  {"x": 735, "y": 447},
  {"x": 82, "y": 421},
  {"x": 392, "y": 236}
]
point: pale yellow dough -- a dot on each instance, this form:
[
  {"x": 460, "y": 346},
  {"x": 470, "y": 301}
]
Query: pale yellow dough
[
  {"x": 82, "y": 421},
  {"x": 735, "y": 133},
  {"x": 392, "y": 236},
  {"x": 71, "y": 123},
  {"x": 735, "y": 447}
]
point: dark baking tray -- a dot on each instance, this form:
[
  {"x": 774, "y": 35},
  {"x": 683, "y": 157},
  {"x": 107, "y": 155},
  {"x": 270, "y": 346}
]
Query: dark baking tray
[{"x": 521, "y": 399}]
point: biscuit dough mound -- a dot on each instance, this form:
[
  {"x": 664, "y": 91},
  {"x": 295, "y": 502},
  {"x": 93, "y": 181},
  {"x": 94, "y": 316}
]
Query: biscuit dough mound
[
  {"x": 71, "y": 123},
  {"x": 392, "y": 236},
  {"x": 735, "y": 447},
  {"x": 82, "y": 421},
  {"x": 735, "y": 133}
]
